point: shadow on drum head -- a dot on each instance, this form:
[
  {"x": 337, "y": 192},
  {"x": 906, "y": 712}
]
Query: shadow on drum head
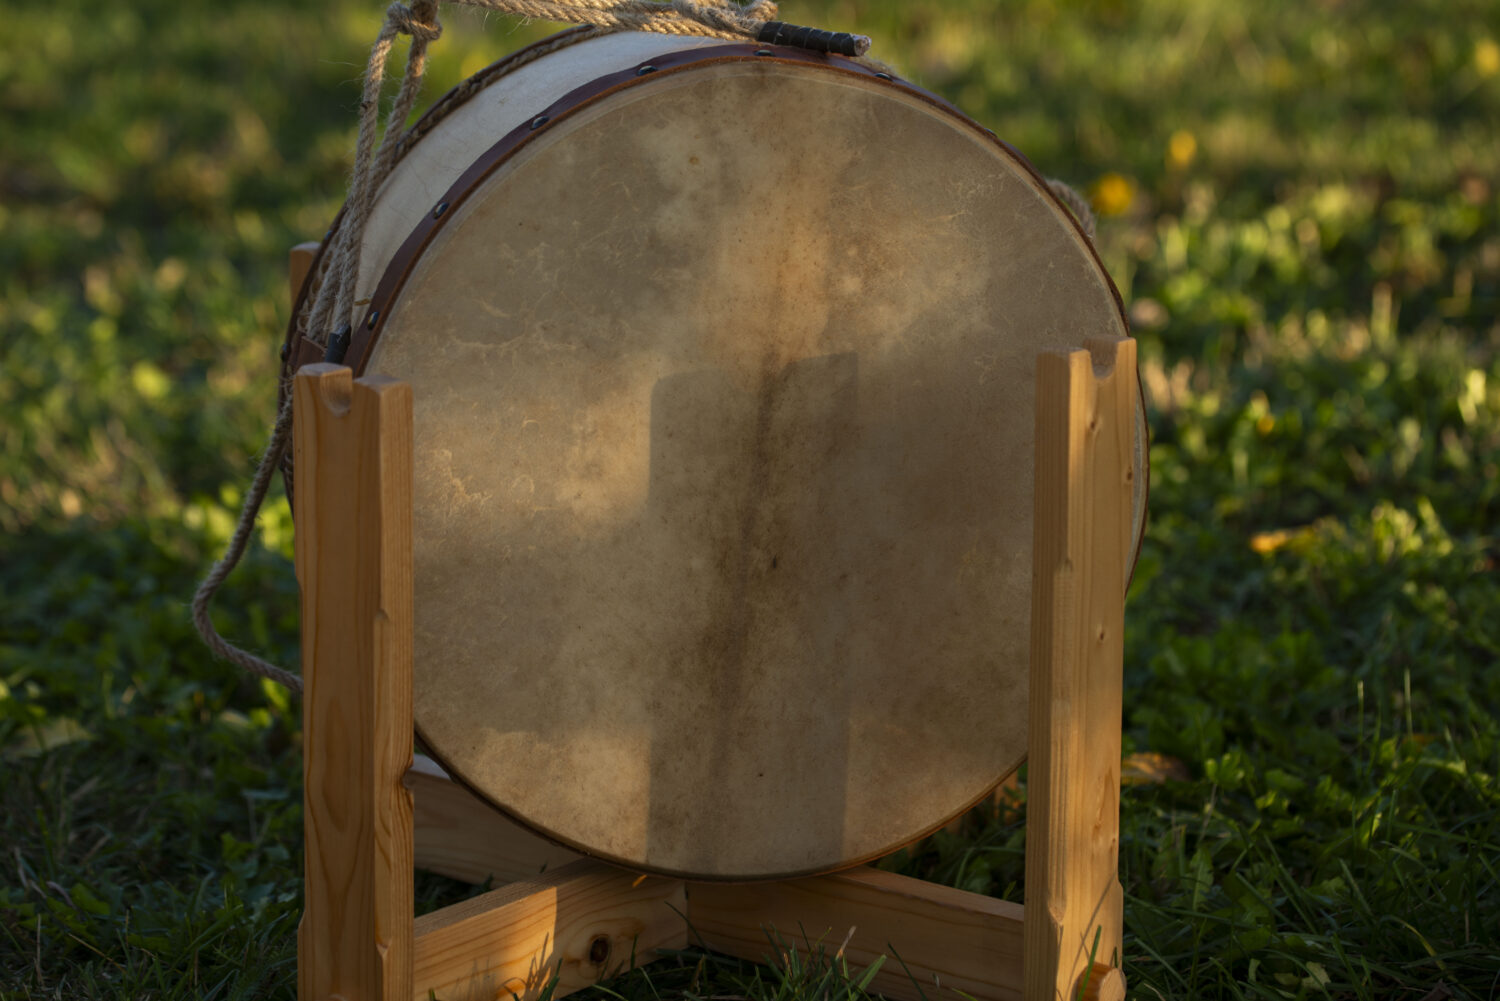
[{"x": 758, "y": 511}]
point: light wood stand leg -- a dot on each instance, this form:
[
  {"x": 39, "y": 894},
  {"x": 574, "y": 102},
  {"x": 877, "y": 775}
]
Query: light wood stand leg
[
  {"x": 353, "y": 455},
  {"x": 1084, "y": 463},
  {"x": 583, "y": 920}
]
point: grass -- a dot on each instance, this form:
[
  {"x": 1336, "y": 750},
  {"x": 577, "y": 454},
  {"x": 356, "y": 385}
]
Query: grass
[{"x": 1300, "y": 203}]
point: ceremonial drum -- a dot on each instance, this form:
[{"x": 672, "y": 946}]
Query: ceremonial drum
[{"x": 723, "y": 360}]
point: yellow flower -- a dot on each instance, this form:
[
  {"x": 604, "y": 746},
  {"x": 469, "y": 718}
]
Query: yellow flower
[
  {"x": 1181, "y": 149},
  {"x": 1295, "y": 538},
  {"x": 149, "y": 381},
  {"x": 1269, "y": 542},
  {"x": 1487, "y": 57},
  {"x": 1112, "y": 194}
]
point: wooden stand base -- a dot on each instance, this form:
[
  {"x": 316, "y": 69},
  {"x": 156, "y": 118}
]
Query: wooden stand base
[{"x": 372, "y": 814}]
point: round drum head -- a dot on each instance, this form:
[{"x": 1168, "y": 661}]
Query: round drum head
[{"x": 723, "y": 388}]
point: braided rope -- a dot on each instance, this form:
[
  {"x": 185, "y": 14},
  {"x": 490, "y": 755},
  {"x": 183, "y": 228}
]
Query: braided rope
[
  {"x": 336, "y": 296},
  {"x": 1076, "y": 203},
  {"x": 201, "y": 600}
]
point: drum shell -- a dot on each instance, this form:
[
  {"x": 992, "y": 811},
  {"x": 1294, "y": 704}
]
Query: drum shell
[{"x": 384, "y": 278}]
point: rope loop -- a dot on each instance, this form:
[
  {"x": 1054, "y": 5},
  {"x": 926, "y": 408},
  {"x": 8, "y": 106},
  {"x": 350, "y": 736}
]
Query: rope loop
[{"x": 419, "y": 20}]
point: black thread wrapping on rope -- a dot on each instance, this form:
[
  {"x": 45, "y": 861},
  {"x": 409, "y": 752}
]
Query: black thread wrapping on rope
[
  {"x": 338, "y": 345},
  {"x": 780, "y": 33}
]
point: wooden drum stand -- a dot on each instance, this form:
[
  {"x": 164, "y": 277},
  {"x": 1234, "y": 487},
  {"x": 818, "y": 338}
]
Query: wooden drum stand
[{"x": 372, "y": 814}]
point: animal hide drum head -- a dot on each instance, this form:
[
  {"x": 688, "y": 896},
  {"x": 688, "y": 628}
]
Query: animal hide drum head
[{"x": 723, "y": 376}]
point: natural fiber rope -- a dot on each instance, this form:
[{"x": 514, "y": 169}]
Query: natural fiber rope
[
  {"x": 339, "y": 267},
  {"x": 236, "y": 549},
  {"x": 1076, "y": 203},
  {"x": 370, "y": 168}
]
